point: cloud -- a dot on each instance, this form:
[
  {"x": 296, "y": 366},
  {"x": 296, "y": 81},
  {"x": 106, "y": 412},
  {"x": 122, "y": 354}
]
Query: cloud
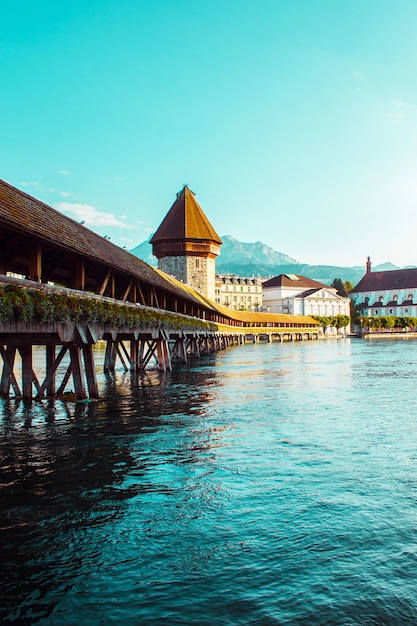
[
  {"x": 65, "y": 173},
  {"x": 91, "y": 216},
  {"x": 40, "y": 187},
  {"x": 127, "y": 240},
  {"x": 65, "y": 194},
  {"x": 400, "y": 104},
  {"x": 399, "y": 109}
]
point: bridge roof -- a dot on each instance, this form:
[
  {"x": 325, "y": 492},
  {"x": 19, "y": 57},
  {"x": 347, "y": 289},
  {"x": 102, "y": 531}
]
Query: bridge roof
[
  {"x": 242, "y": 316},
  {"x": 33, "y": 218},
  {"x": 185, "y": 220}
]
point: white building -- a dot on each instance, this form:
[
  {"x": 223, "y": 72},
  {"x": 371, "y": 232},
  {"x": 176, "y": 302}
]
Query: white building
[
  {"x": 240, "y": 294},
  {"x": 386, "y": 293},
  {"x": 297, "y": 295}
]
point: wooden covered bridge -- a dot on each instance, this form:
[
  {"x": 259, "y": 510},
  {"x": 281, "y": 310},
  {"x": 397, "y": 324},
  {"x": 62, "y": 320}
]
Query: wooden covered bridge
[{"x": 65, "y": 288}]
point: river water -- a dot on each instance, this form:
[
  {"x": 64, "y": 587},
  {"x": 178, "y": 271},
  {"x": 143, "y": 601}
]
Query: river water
[{"x": 265, "y": 484}]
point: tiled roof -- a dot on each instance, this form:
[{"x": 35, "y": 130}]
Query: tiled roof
[
  {"x": 387, "y": 281},
  {"x": 305, "y": 294},
  {"x": 293, "y": 280},
  {"x": 186, "y": 220}
]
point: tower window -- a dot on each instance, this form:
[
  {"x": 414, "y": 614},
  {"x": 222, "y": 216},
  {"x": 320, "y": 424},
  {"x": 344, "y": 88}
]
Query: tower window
[{"x": 197, "y": 264}]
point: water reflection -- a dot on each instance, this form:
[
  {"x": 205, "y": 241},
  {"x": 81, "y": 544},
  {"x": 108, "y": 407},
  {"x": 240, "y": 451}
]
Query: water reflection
[
  {"x": 63, "y": 469},
  {"x": 264, "y": 484}
]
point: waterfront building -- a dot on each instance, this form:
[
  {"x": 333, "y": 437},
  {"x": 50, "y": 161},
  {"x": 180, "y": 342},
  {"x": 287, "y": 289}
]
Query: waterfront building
[
  {"x": 240, "y": 294},
  {"x": 298, "y": 295},
  {"x": 186, "y": 244},
  {"x": 392, "y": 292}
]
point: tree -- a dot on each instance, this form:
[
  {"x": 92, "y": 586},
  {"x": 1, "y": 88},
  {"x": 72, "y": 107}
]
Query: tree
[
  {"x": 339, "y": 286},
  {"x": 387, "y": 321},
  {"x": 342, "y": 321}
]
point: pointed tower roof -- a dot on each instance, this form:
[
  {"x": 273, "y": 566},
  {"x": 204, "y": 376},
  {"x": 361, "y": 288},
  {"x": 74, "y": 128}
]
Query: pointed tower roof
[{"x": 185, "y": 221}]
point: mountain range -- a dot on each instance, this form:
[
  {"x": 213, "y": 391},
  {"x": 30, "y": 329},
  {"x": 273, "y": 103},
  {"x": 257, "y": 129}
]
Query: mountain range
[{"x": 257, "y": 259}]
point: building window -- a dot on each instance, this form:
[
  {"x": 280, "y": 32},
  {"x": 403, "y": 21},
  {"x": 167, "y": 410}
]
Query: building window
[{"x": 197, "y": 264}]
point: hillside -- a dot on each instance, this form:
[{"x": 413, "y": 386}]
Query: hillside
[{"x": 258, "y": 259}]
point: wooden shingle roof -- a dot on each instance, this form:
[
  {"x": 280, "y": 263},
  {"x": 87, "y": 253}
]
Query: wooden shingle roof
[
  {"x": 185, "y": 221},
  {"x": 23, "y": 213}
]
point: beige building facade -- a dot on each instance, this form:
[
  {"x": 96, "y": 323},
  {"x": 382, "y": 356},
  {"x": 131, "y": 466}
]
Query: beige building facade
[{"x": 239, "y": 294}]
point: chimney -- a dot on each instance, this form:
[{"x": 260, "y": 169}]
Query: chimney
[{"x": 368, "y": 265}]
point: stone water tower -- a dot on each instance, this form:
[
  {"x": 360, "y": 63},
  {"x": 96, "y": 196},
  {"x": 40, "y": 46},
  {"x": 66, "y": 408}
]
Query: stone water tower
[{"x": 186, "y": 244}]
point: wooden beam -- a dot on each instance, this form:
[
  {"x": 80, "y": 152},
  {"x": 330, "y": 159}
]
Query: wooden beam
[
  {"x": 35, "y": 261},
  {"x": 155, "y": 295},
  {"x": 8, "y": 378},
  {"x": 51, "y": 368},
  {"x": 90, "y": 371},
  {"x": 141, "y": 293},
  {"x": 105, "y": 282},
  {"x": 126, "y": 293},
  {"x": 79, "y": 274},
  {"x": 77, "y": 373}
]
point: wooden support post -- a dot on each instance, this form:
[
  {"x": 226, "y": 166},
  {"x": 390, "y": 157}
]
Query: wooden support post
[
  {"x": 52, "y": 366},
  {"x": 142, "y": 297},
  {"x": 127, "y": 291},
  {"x": 90, "y": 370},
  {"x": 110, "y": 356},
  {"x": 79, "y": 274},
  {"x": 8, "y": 378},
  {"x": 50, "y": 371},
  {"x": 146, "y": 355},
  {"x": 120, "y": 350},
  {"x": 105, "y": 283},
  {"x": 65, "y": 379},
  {"x": 27, "y": 370},
  {"x": 77, "y": 374},
  {"x": 134, "y": 354},
  {"x": 182, "y": 350},
  {"x": 162, "y": 349},
  {"x": 35, "y": 262}
]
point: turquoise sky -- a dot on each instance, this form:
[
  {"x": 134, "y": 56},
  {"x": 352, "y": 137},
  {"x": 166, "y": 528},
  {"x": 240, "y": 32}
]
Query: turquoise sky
[{"x": 294, "y": 122}]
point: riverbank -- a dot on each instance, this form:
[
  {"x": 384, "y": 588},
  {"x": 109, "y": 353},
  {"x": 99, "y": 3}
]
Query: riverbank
[{"x": 387, "y": 335}]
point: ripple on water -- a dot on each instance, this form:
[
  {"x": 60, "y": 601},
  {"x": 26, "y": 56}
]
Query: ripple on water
[{"x": 270, "y": 484}]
